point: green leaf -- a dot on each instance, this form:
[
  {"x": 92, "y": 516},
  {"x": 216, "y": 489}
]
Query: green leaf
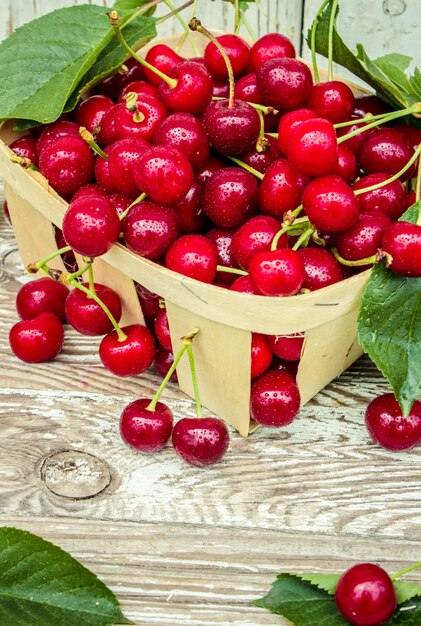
[
  {"x": 408, "y": 614},
  {"x": 406, "y": 591},
  {"x": 137, "y": 33},
  {"x": 327, "y": 582},
  {"x": 41, "y": 585},
  {"x": 301, "y": 603},
  {"x": 42, "y": 62},
  {"x": 389, "y": 327},
  {"x": 128, "y": 5},
  {"x": 394, "y": 66}
]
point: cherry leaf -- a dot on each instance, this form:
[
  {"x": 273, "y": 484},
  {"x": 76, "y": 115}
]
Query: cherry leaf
[
  {"x": 327, "y": 582},
  {"x": 408, "y": 614},
  {"x": 40, "y": 585},
  {"x": 406, "y": 591}
]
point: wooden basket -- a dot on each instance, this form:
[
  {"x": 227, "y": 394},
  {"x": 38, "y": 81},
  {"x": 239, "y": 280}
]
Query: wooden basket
[{"x": 225, "y": 318}]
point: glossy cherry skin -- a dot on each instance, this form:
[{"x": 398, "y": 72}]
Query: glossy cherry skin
[
  {"x": 282, "y": 188},
  {"x": 130, "y": 71},
  {"x": 389, "y": 199},
  {"x": 194, "y": 256},
  {"x": 163, "y": 58},
  {"x": 91, "y": 226},
  {"x": 107, "y": 131},
  {"x": 102, "y": 173},
  {"x": 186, "y": 133},
  {"x": 193, "y": 91},
  {"x": 39, "y": 296},
  {"x": 369, "y": 104},
  {"x": 231, "y": 130},
  {"x": 261, "y": 354},
  {"x": 145, "y": 430},
  {"x": 284, "y": 83},
  {"x": 402, "y": 244},
  {"x": 364, "y": 238},
  {"x": 53, "y": 131},
  {"x": 237, "y": 51},
  {"x": 330, "y": 204},
  {"x": 254, "y": 236},
  {"x": 411, "y": 134},
  {"x": 162, "y": 363},
  {"x": 208, "y": 168},
  {"x": 68, "y": 163},
  {"x": 270, "y": 46},
  {"x": 244, "y": 284},
  {"x": 26, "y": 147},
  {"x": 141, "y": 87},
  {"x": 129, "y": 357},
  {"x": 274, "y": 399},
  {"x": 139, "y": 118},
  {"x": 321, "y": 268},
  {"x": 332, "y": 100},
  {"x": 90, "y": 112},
  {"x": 287, "y": 347},
  {"x": 191, "y": 217},
  {"x": 149, "y": 229},
  {"x": 222, "y": 240},
  {"x": 123, "y": 158},
  {"x": 92, "y": 190},
  {"x": 312, "y": 147},
  {"x": 261, "y": 160},
  {"x": 86, "y": 316},
  {"x": 388, "y": 427},
  {"x": 230, "y": 197},
  {"x": 347, "y": 167},
  {"x": 365, "y": 595},
  {"x": 200, "y": 442},
  {"x": 38, "y": 339},
  {"x": 162, "y": 330},
  {"x": 288, "y": 122},
  {"x": 385, "y": 150},
  {"x": 277, "y": 273},
  {"x": 164, "y": 174},
  {"x": 246, "y": 89}
]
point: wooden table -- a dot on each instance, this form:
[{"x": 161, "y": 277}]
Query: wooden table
[{"x": 180, "y": 545}]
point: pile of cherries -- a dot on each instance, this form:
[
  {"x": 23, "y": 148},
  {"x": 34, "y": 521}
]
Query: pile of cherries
[{"x": 233, "y": 169}]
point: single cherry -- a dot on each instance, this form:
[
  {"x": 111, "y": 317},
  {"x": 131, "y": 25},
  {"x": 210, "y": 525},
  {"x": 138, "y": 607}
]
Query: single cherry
[
  {"x": 364, "y": 238},
  {"x": 270, "y": 46},
  {"x": 321, "y": 268},
  {"x": 288, "y": 122},
  {"x": 139, "y": 87},
  {"x": 231, "y": 129},
  {"x": 389, "y": 428},
  {"x": 274, "y": 399},
  {"x": 282, "y": 188},
  {"x": 389, "y": 199},
  {"x": 260, "y": 160},
  {"x": 139, "y": 116},
  {"x": 87, "y": 316},
  {"x": 402, "y": 244},
  {"x": 222, "y": 240},
  {"x": 123, "y": 159},
  {"x": 330, "y": 204},
  {"x": 261, "y": 354},
  {"x": 149, "y": 229},
  {"x": 244, "y": 284},
  {"x": 237, "y": 51},
  {"x": 26, "y": 147},
  {"x": 284, "y": 83},
  {"x": 347, "y": 167},
  {"x": 130, "y": 356},
  {"x": 163, "y": 361},
  {"x": 162, "y": 330},
  {"x": 39, "y": 296},
  {"x": 200, "y": 441},
  {"x": 312, "y": 147},
  {"x": 91, "y": 226},
  {"x": 287, "y": 347},
  {"x": 186, "y": 133},
  {"x": 146, "y": 430},
  {"x": 365, "y": 595},
  {"x": 164, "y": 174},
  {"x": 332, "y": 100},
  {"x": 277, "y": 272},
  {"x": 194, "y": 256},
  {"x": 192, "y": 91},
  {"x": 38, "y": 339},
  {"x": 89, "y": 112},
  {"x": 230, "y": 197},
  {"x": 163, "y": 58},
  {"x": 55, "y": 130},
  {"x": 254, "y": 236},
  {"x": 385, "y": 150},
  {"x": 68, "y": 163}
]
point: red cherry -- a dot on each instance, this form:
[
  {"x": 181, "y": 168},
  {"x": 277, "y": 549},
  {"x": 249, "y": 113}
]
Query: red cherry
[
  {"x": 347, "y": 167},
  {"x": 270, "y": 46},
  {"x": 123, "y": 159},
  {"x": 277, "y": 272},
  {"x": 275, "y": 399},
  {"x": 38, "y": 339},
  {"x": 281, "y": 189},
  {"x": 90, "y": 112},
  {"x": 102, "y": 173},
  {"x": 261, "y": 161},
  {"x": 244, "y": 284},
  {"x": 222, "y": 240},
  {"x": 53, "y": 131},
  {"x": 246, "y": 89},
  {"x": 237, "y": 51},
  {"x": 162, "y": 330},
  {"x": 411, "y": 134},
  {"x": 67, "y": 163},
  {"x": 385, "y": 150},
  {"x": 164, "y": 174},
  {"x": 353, "y": 143},
  {"x": 389, "y": 199},
  {"x": 231, "y": 130},
  {"x": 91, "y": 226},
  {"x": 186, "y": 133},
  {"x": 261, "y": 354},
  {"x": 26, "y": 147},
  {"x": 163, "y": 58},
  {"x": 120, "y": 202},
  {"x": 287, "y": 347},
  {"x": 149, "y": 302},
  {"x": 107, "y": 132},
  {"x": 145, "y": 430},
  {"x": 388, "y": 427},
  {"x": 230, "y": 197},
  {"x": 288, "y": 122},
  {"x": 332, "y": 100},
  {"x": 330, "y": 204},
  {"x": 39, "y": 296},
  {"x": 220, "y": 89},
  {"x": 200, "y": 442},
  {"x": 92, "y": 190},
  {"x": 127, "y": 73},
  {"x": 129, "y": 357},
  {"x": 284, "y": 83},
  {"x": 365, "y": 595},
  {"x": 138, "y": 119},
  {"x": 86, "y": 316},
  {"x": 312, "y": 147},
  {"x": 321, "y": 268},
  {"x": 163, "y": 361},
  {"x": 194, "y": 256},
  {"x": 141, "y": 87},
  {"x": 149, "y": 229},
  {"x": 364, "y": 238},
  {"x": 193, "y": 91},
  {"x": 254, "y": 236},
  {"x": 191, "y": 217},
  {"x": 402, "y": 243},
  {"x": 208, "y": 168}
]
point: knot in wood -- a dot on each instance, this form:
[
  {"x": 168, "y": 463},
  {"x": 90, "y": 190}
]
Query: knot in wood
[{"x": 75, "y": 475}]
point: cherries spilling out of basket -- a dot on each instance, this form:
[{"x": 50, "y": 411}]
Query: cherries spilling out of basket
[{"x": 274, "y": 186}]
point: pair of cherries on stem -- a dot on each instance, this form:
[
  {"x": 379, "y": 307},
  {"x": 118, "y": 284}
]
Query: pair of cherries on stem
[{"x": 147, "y": 425}]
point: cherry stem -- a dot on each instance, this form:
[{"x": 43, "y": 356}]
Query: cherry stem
[
  {"x": 114, "y": 18},
  {"x": 369, "y": 117},
  {"x": 231, "y": 270},
  {"x": 168, "y": 16},
  {"x": 394, "y": 177},
  {"x": 237, "y": 22},
  {"x": 138, "y": 199},
  {"x": 290, "y": 223},
  {"x": 196, "y": 24},
  {"x": 261, "y": 146},
  {"x": 65, "y": 278},
  {"x": 406, "y": 570},
  {"x": 91, "y": 277},
  {"x": 33, "y": 268},
  {"x": 152, "y": 405},
  {"x": 23, "y": 162},
  {"x": 303, "y": 239},
  {"x": 89, "y": 138},
  {"x": 247, "y": 167},
  {"x": 266, "y": 110},
  {"x": 414, "y": 109},
  {"x": 330, "y": 40},
  {"x": 246, "y": 23},
  {"x": 188, "y": 34},
  {"x": 91, "y": 294},
  {"x": 313, "y": 41},
  {"x": 367, "y": 261},
  {"x": 418, "y": 185},
  {"x": 199, "y": 413}
]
